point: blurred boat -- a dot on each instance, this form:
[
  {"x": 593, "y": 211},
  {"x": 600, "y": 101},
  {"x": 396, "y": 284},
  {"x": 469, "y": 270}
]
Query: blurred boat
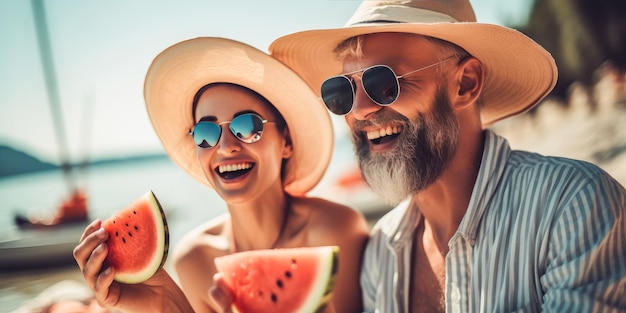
[
  {"x": 35, "y": 248},
  {"x": 45, "y": 241}
]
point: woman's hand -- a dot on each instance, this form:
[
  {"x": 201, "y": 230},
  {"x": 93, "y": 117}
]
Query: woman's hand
[
  {"x": 220, "y": 294},
  {"x": 157, "y": 294}
]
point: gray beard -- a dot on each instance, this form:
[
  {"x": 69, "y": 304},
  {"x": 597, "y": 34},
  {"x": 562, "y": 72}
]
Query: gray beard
[{"x": 421, "y": 153}]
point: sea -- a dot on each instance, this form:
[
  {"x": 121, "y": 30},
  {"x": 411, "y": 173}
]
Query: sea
[{"x": 186, "y": 202}]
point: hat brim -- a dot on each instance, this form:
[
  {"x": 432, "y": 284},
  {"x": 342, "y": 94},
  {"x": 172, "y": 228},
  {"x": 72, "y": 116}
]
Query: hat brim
[
  {"x": 177, "y": 73},
  {"x": 518, "y": 72}
]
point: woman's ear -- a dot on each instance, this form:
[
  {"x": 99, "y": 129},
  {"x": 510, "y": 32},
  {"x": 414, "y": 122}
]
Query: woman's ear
[
  {"x": 288, "y": 146},
  {"x": 470, "y": 78}
]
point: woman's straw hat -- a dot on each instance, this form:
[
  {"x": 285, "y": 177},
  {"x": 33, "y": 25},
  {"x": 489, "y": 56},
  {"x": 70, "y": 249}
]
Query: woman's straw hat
[
  {"x": 177, "y": 74},
  {"x": 519, "y": 72}
]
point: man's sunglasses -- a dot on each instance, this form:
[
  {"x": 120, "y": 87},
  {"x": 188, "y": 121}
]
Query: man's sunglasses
[
  {"x": 246, "y": 127},
  {"x": 380, "y": 83}
]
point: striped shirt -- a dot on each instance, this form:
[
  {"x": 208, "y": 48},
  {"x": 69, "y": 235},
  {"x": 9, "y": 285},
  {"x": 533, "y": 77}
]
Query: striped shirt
[{"x": 539, "y": 234}]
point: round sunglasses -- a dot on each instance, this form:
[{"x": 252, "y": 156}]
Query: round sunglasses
[
  {"x": 379, "y": 82},
  {"x": 246, "y": 127}
]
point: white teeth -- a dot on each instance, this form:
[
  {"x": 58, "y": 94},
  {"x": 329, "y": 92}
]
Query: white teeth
[
  {"x": 234, "y": 167},
  {"x": 375, "y": 134}
]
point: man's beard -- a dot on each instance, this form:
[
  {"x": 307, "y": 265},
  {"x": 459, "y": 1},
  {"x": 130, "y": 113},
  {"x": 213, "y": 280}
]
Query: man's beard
[{"x": 422, "y": 151}]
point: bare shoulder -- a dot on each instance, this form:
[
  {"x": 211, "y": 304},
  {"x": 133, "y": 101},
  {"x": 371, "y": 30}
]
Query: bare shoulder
[
  {"x": 330, "y": 220},
  {"x": 193, "y": 258},
  {"x": 328, "y": 223},
  {"x": 206, "y": 239}
]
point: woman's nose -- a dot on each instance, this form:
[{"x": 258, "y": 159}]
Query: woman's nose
[{"x": 228, "y": 143}]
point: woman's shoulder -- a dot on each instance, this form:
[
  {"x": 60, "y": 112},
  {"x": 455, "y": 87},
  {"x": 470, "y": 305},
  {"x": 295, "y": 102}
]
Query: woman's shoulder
[
  {"x": 207, "y": 240},
  {"x": 322, "y": 209},
  {"x": 331, "y": 218}
]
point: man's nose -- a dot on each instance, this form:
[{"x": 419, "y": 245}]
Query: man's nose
[{"x": 363, "y": 105}]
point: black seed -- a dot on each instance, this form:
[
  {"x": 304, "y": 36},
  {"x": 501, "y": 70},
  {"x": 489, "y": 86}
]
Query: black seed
[
  {"x": 126, "y": 224},
  {"x": 274, "y": 298},
  {"x": 293, "y": 261},
  {"x": 279, "y": 283},
  {"x": 288, "y": 274},
  {"x": 124, "y": 239},
  {"x": 136, "y": 228},
  {"x": 134, "y": 212},
  {"x": 113, "y": 222},
  {"x": 116, "y": 234},
  {"x": 130, "y": 234}
]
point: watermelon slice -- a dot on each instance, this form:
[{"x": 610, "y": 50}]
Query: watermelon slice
[
  {"x": 281, "y": 280},
  {"x": 138, "y": 240}
]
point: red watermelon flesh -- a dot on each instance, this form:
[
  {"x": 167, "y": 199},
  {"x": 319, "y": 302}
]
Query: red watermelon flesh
[
  {"x": 138, "y": 240},
  {"x": 281, "y": 280}
]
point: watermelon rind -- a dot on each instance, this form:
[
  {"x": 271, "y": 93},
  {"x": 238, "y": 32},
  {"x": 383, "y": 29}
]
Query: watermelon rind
[
  {"x": 321, "y": 292},
  {"x": 162, "y": 243}
]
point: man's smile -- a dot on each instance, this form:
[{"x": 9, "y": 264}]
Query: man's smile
[{"x": 383, "y": 134}]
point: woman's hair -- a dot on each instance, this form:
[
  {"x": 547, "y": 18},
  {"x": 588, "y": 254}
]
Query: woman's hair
[{"x": 280, "y": 121}]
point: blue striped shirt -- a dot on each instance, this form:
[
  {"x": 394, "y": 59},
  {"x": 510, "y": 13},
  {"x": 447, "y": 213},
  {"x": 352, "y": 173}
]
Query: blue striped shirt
[{"x": 539, "y": 234}]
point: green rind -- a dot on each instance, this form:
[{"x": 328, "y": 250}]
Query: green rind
[
  {"x": 135, "y": 278},
  {"x": 327, "y": 292}
]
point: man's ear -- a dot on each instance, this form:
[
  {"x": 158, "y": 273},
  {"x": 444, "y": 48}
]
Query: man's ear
[
  {"x": 288, "y": 147},
  {"x": 470, "y": 78}
]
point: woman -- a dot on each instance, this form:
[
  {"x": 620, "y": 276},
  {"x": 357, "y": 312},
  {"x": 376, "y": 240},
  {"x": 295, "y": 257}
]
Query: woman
[{"x": 244, "y": 124}]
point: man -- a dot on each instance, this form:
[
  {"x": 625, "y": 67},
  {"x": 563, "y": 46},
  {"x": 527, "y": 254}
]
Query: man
[{"x": 483, "y": 228}]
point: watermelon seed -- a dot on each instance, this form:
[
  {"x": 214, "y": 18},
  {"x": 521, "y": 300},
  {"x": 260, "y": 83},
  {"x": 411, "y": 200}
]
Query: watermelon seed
[
  {"x": 134, "y": 212},
  {"x": 288, "y": 274},
  {"x": 116, "y": 234},
  {"x": 279, "y": 283},
  {"x": 130, "y": 234},
  {"x": 124, "y": 239},
  {"x": 274, "y": 298},
  {"x": 136, "y": 228},
  {"x": 127, "y": 224}
]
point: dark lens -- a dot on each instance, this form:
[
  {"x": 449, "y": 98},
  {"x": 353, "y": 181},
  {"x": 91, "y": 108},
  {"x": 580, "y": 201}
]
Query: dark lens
[
  {"x": 380, "y": 84},
  {"x": 338, "y": 95},
  {"x": 247, "y": 127},
  {"x": 206, "y": 134}
]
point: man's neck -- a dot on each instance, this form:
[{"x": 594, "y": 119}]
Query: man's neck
[{"x": 444, "y": 203}]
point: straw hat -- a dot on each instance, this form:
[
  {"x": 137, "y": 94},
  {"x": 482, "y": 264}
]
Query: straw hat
[
  {"x": 176, "y": 75},
  {"x": 519, "y": 72}
]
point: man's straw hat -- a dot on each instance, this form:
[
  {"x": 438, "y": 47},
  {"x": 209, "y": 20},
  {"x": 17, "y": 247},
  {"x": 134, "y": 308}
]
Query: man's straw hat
[
  {"x": 519, "y": 72},
  {"x": 177, "y": 74}
]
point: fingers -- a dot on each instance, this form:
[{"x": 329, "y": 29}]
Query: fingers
[
  {"x": 95, "y": 225},
  {"x": 93, "y": 236},
  {"x": 220, "y": 294},
  {"x": 106, "y": 293}
]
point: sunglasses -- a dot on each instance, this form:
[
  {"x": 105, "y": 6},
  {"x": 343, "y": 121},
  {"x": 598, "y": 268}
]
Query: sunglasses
[
  {"x": 246, "y": 127},
  {"x": 380, "y": 83}
]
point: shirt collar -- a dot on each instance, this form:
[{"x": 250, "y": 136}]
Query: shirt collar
[
  {"x": 496, "y": 152},
  {"x": 406, "y": 216}
]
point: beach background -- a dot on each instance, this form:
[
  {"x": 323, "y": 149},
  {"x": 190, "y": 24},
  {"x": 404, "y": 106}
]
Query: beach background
[{"x": 101, "y": 51}]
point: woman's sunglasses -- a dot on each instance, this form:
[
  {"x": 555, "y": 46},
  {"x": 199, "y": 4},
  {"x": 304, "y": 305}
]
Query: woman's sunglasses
[
  {"x": 379, "y": 82},
  {"x": 246, "y": 127}
]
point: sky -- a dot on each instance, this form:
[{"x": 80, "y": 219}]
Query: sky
[{"x": 102, "y": 49}]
